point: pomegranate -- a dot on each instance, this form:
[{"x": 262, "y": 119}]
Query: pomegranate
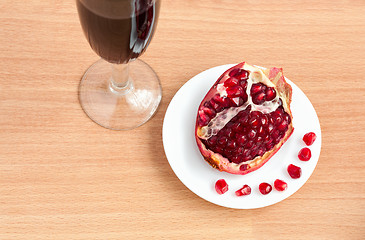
[
  {"x": 244, "y": 118},
  {"x": 294, "y": 171},
  {"x": 309, "y": 138},
  {"x": 265, "y": 188},
  {"x": 304, "y": 154},
  {"x": 221, "y": 186},
  {"x": 280, "y": 185},
  {"x": 245, "y": 190}
]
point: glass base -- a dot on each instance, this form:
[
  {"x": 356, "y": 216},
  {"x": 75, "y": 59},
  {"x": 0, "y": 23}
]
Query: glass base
[{"x": 120, "y": 110}]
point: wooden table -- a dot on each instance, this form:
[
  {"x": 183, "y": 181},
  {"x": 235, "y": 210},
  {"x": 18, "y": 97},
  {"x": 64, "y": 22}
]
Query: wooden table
[{"x": 64, "y": 177}]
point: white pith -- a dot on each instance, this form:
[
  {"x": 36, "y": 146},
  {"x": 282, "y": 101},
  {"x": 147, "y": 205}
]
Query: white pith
[{"x": 222, "y": 118}]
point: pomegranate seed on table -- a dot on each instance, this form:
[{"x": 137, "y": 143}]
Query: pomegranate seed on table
[
  {"x": 280, "y": 185},
  {"x": 245, "y": 190},
  {"x": 294, "y": 171},
  {"x": 265, "y": 188},
  {"x": 309, "y": 138},
  {"x": 221, "y": 186},
  {"x": 304, "y": 154}
]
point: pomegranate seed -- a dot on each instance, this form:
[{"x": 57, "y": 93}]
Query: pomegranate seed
[
  {"x": 217, "y": 98},
  {"x": 259, "y": 98},
  {"x": 254, "y": 122},
  {"x": 261, "y": 151},
  {"x": 246, "y": 152},
  {"x": 241, "y": 139},
  {"x": 305, "y": 154},
  {"x": 226, "y": 102},
  {"x": 231, "y": 82},
  {"x": 283, "y": 125},
  {"x": 203, "y": 118},
  {"x": 294, "y": 171},
  {"x": 252, "y": 133},
  {"x": 287, "y": 118},
  {"x": 242, "y": 75},
  {"x": 270, "y": 128},
  {"x": 221, "y": 186},
  {"x": 234, "y": 72},
  {"x": 215, "y": 106},
  {"x": 236, "y": 159},
  {"x": 254, "y": 151},
  {"x": 256, "y": 88},
  {"x": 269, "y": 146},
  {"x": 270, "y": 94},
  {"x": 265, "y": 188},
  {"x": 264, "y": 121},
  {"x": 210, "y": 112},
  {"x": 249, "y": 144},
  {"x": 235, "y": 91},
  {"x": 229, "y": 132},
  {"x": 280, "y": 185},
  {"x": 244, "y": 167},
  {"x": 238, "y": 73},
  {"x": 237, "y": 127},
  {"x": 309, "y": 138},
  {"x": 237, "y": 102},
  {"x": 219, "y": 150},
  {"x": 240, "y": 150},
  {"x": 231, "y": 144},
  {"x": 222, "y": 141},
  {"x": 277, "y": 119},
  {"x": 243, "y": 84},
  {"x": 262, "y": 132},
  {"x": 212, "y": 140},
  {"x": 244, "y": 191}
]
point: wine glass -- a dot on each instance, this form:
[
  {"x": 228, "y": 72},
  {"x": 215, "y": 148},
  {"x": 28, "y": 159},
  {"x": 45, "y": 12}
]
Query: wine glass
[{"x": 119, "y": 91}]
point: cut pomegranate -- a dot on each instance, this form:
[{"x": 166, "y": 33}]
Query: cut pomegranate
[
  {"x": 245, "y": 190},
  {"x": 294, "y": 171},
  {"x": 304, "y": 154},
  {"x": 265, "y": 188},
  {"x": 244, "y": 118},
  {"x": 280, "y": 185},
  {"x": 221, "y": 186},
  {"x": 309, "y": 138}
]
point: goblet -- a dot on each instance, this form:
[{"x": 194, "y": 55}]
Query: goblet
[{"x": 119, "y": 91}]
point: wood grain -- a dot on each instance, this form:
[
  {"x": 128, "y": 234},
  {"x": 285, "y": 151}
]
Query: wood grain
[{"x": 64, "y": 177}]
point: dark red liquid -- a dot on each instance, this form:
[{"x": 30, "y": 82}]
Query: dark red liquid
[{"x": 118, "y": 30}]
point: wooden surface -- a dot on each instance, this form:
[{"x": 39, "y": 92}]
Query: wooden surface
[{"x": 64, "y": 177}]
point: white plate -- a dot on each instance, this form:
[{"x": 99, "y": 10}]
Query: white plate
[{"x": 196, "y": 174}]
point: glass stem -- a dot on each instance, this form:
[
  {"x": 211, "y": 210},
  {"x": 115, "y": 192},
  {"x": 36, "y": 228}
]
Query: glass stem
[{"x": 120, "y": 82}]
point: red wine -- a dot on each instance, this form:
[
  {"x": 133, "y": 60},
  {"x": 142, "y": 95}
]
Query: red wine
[{"x": 118, "y": 30}]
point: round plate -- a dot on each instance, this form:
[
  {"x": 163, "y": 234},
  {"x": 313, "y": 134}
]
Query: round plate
[{"x": 196, "y": 174}]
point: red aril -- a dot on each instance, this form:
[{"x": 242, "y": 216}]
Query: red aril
[
  {"x": 280, "y": 185},
  {"x": 309, "y": 138},
  {"x": 304, "y": 154},
  {"x": 245, "y": 190},
  {"x": 221, "y": 186},
  {"x": 244, "y": 118},
  {"x": 294, "y": 171},
  {"x": 265, "y": 188}
]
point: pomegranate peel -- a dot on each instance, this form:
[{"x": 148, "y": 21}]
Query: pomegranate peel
[{"x": 244, "y": 118}]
